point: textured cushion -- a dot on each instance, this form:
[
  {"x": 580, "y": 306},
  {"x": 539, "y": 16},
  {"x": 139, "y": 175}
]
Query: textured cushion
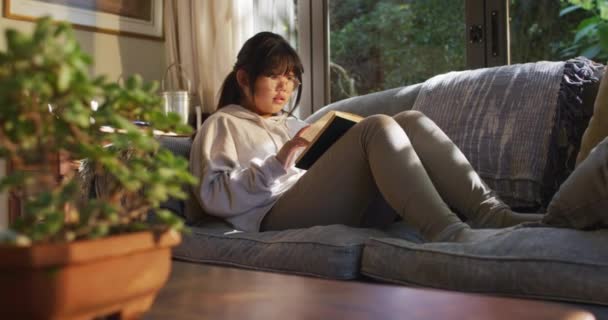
[
  {"x": 188, "y": 209},
  {"x": 332, "y": 251},
  {"x": 598, "y": 125},
  {"x": 178, "y": 145},
  {"x": 577, "y": 92},
  {"x": 509, "y": 120},
  {"x": 501, "y": 118},
  {"x": 582, "y": 200},
  {"x": 534, "y": 262}
]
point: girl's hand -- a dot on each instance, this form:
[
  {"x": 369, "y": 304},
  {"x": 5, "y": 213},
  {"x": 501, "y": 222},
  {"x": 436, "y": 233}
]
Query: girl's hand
[{"x": 286, "y": 155}]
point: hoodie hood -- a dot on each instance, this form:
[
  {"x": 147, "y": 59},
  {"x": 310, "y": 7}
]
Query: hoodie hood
[
  {"x": 244, "y": 113},
  {"x": 274, "y": 125},
  {"x": 234, "y": 157}
]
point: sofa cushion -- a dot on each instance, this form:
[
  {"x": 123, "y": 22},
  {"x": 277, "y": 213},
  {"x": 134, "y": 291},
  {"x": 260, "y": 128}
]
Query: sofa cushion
[
  {"x": 577, "y": 93},
  {"x": 510, "y": 122},
  {"x": 524, "y": 261},
  {"x": 332, "y": 251},
  {"x": 582, "y": 200},
  {"x": 188, "y": 209},
  {"x": 598, "y": 125}
]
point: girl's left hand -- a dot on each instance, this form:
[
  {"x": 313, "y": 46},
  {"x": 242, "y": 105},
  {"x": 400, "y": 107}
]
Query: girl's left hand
[{"x": 287, "y": 154}]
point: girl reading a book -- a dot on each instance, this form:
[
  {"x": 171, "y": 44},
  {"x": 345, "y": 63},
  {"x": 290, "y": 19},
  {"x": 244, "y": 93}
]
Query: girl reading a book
[{"x": 244, "y": 157}]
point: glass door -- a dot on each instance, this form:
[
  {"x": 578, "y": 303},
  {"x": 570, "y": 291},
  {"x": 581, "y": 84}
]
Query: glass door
[
  {"x": 378, "y": 45},
  {"x": 278, "y": 16}
]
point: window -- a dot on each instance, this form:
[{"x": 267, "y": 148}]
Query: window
[
  {"x": 281, "y": 17},
  {"x": 354, "y": 47},
  {"x": 539, "y": 32},
  {"x": 377, "y": 45},
  {"x": 278, "y": 16}
]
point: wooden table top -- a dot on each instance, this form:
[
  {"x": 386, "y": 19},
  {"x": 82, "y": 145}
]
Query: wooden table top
[{"x": 198, "y": 291}]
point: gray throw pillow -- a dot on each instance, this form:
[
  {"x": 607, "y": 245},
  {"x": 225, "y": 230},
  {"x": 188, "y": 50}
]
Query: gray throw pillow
[{"x": 582, "y": 200}]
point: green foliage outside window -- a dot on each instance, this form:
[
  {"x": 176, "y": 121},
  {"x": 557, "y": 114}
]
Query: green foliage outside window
[
  {"x": 591, "y": 34},
  {"x": 538, "y": 32},
  {"x": 377, "y": 45},
  {"x": 386, "y": 44}
]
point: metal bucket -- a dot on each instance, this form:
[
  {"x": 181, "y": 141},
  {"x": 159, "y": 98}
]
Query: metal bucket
[{"x": 176, "y": 101}]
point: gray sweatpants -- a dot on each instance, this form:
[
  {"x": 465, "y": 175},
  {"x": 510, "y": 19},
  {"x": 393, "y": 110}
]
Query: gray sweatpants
[{"x": 407, "y": 160}]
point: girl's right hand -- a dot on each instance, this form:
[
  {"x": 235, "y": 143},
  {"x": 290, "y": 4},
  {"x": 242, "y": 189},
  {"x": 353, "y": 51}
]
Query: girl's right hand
[{"x": 286, "y": 155}]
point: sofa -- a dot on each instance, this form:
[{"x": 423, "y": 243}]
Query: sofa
[{"x": 542, "y": 106}]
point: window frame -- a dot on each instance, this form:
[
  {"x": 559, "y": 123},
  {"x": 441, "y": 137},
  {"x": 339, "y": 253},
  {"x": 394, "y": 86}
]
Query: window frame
[{"x": 313, "y": 47}]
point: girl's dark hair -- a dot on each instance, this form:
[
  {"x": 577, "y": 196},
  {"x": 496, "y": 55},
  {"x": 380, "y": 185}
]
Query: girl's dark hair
[{"x": 264, "y": 54}]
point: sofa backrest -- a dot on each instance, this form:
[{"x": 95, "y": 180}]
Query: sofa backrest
[
  {"x": 481, "y": 118},
  {"x": 519, "y": 125},
  {"x": 188, "y": 209},
  {"x": 389, "y": 102}
]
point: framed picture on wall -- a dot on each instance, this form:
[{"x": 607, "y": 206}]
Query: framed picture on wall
[{"x": 137, "y": 18}]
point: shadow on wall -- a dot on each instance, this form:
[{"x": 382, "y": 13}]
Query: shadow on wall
[
  {"x": 140, "y": 55},
  {"x": 87, "y": 44}
]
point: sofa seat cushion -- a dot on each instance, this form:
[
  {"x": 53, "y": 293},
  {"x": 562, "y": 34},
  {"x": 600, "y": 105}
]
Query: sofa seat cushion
[
  {"x": 332, "y": 251},
  {"x": 529, "y": 262}
]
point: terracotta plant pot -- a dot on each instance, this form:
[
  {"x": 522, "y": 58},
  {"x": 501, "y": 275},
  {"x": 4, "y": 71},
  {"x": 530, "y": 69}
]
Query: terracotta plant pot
[{"x": 85, "y": 279}]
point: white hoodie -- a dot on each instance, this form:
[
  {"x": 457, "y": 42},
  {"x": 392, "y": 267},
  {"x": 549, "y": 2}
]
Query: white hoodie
[{"x": 234, "y": 157}]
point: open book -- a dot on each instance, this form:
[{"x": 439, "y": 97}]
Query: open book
[{"x": 323, "y": 133}]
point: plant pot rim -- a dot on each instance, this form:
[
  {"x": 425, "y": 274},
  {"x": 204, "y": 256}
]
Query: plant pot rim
[{"x": 59, "y": 254}]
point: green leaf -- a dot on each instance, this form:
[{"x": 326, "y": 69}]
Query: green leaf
[
  {"x": 133, "y": 82},
  {"x": 586, "y": 29},
  {"x": 64, "y": 78},
  {"x": 13, "y": 179},
  {"x": 567, "y": 10},
  {"x": 168, "y": 218},
  {"x": 15, "y": 40},
  {"x": 603, "y": 8},
  {"x": 53, "y": 222},
  {"x": 99, "y": 230},
  {"x": 592, "y": 51},
  {"x": 138, "y": 226},
  {"x": 585, "y": 4},
  {"x": 603, "y": 35}
]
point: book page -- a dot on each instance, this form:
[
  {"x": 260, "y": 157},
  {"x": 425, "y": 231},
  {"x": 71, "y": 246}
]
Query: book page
[
  {"x": 311, "y": 133},
  {"x": 334, "y": 123},
  {"x": 318, "y": 126}
]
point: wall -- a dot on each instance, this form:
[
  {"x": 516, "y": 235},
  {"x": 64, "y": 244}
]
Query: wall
[{"x": 112, "y": 55}]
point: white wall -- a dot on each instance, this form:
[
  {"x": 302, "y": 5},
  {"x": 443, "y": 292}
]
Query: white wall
[{"x": 112, "y": 55}]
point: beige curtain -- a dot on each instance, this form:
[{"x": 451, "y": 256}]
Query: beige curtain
[{"x": 204, "y": 37}]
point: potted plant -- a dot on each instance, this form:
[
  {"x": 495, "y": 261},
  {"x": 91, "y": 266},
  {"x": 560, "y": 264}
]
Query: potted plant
[{"x": 68, "y": 255}]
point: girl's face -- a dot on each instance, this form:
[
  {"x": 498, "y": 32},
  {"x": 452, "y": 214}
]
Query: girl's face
[{"x": 270, "y": 93}]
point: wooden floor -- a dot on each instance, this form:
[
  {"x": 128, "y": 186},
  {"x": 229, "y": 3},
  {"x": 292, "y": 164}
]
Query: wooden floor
[{"x": 197, "y": 291}]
